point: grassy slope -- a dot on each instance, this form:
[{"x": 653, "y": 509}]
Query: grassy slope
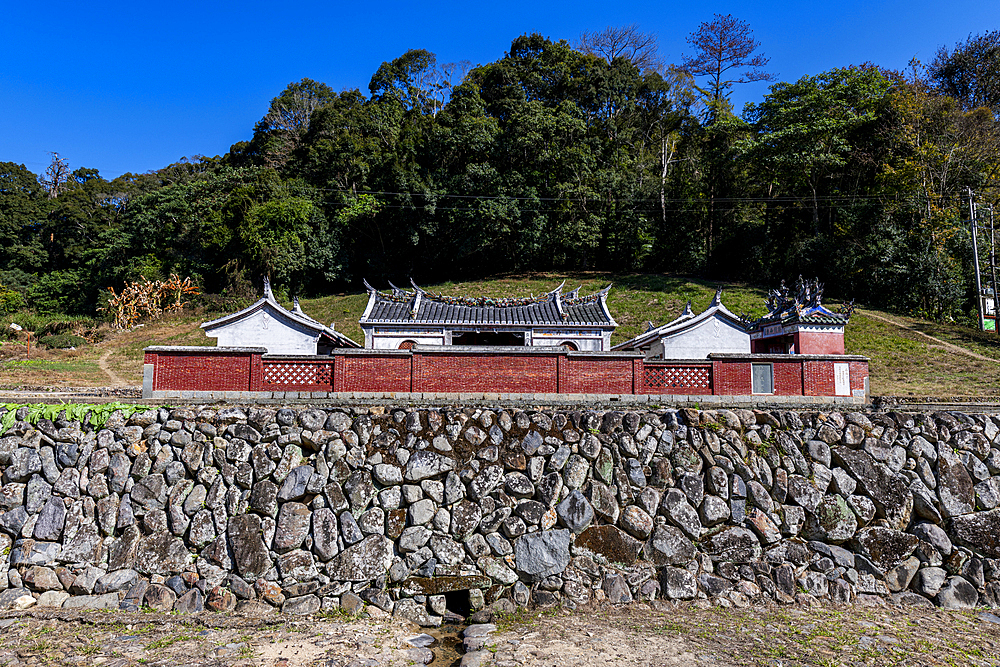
[{"x": 902, "y": 361}]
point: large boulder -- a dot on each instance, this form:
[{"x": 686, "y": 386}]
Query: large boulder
[
  {"x": 368, "y": 559},
  {"x": 955, "y": 488},
  {"x": 669, "y": 546},
  {"x": 575, "y": 512},
  {"x": 162, "y": 553},
  {"x": 678, "y": 510},
  {"x": 957, "y": 593},
  {"x": 979, "y": 531},
  {"x": 611, "y": 542},
  {"x": 734, "y": 544},
  {"x": 890, "y": 493},
  {"x": 884, "y": 547},
  {"x": 833, "y": 521},
  {"x": 539, "y": 555},
  {"x": 250, "y": 556},
  {"x": 678, "y": 584},
  {"x": 424, "y": 464}
]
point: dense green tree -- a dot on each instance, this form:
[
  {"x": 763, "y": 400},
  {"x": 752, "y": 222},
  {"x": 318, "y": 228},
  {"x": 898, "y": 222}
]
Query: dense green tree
[
  {"x": 280, "y": 132},
  {"x": 23, "y": 210},
  {"x": 970, "y": 74},
  {"x": 550, "y": 157}
]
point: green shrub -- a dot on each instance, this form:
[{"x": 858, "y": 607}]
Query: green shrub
[
  {"x": 61, "y": 341},
  {"x": 10, "y": 300}
]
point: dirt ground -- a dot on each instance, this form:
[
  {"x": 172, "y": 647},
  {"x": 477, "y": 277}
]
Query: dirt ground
[{"x": 599, "y": 636}]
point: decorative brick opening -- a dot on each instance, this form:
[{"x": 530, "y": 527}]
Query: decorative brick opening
[
  {"x": 678, "y": 377},
  {"x": 296, "y": 374}
]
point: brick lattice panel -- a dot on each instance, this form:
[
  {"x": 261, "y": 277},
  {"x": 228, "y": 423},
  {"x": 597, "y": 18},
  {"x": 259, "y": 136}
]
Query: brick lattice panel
[
  {"x": 679, "y": 377},
  {"x": 291, "y": 374}
]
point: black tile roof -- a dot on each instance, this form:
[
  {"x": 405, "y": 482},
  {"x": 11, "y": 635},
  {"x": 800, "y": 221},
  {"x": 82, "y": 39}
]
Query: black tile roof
[{"x": 432, "y": 311}]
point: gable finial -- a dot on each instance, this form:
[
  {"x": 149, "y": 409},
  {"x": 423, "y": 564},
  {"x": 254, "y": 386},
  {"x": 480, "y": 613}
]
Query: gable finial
[
  {"x": 717, "y": 299},
  {"x": 688, "y": 311},
  {"x": 268, "y": 294},
  {"x": 296, "y": 308}
]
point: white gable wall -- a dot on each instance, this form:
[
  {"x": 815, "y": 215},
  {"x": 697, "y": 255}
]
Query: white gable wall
[
  {"x": 263, "y": 329},
  {"x": 713, "y": 335}
]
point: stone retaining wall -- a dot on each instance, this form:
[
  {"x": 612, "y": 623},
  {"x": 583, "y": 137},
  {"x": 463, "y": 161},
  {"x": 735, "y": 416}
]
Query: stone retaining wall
[{"x": 429, "y": 512}]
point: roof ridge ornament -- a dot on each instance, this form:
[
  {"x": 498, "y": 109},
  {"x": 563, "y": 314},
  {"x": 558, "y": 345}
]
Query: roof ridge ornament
[
  {"x": 688, "y": 311},
  {"x": 398, "y": 291},
  {"x": 268, "y": 294},
  {"x": 416, "y": 287},
  {"x": 805, "y": 301},
  {"x": 416, "y": 304},
  {"x": 717, "y": 299},
  {"x": 296, "y": 308},
  {"x": 556, "y": 295}
]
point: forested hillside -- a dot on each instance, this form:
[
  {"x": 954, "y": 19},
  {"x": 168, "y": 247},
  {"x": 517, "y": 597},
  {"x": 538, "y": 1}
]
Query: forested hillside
[{"x": 587, "y": 156}]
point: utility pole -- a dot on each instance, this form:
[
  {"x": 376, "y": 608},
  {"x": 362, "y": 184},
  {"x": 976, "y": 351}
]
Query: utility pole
[
  {"x": 993, "y": 270},
  {"x": 975, "y": 257}
]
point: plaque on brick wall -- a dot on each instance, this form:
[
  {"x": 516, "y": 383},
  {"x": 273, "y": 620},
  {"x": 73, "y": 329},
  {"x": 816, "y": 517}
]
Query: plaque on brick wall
[{"x": 842, "y": 379}]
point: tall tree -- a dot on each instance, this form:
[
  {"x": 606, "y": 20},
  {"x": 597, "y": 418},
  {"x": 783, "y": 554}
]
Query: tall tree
[
  {"x": 56, "y": 175},
  {"x": 409, "y": 79},
  {"x": 807, "y": 131},
  {"x": 23, "y": 209},
  {"x": 628, "y": 42},
  {"x": 726, "y": 53},
  {"x": 281, "y": 130},
  {"x": 971, "y": 72}
]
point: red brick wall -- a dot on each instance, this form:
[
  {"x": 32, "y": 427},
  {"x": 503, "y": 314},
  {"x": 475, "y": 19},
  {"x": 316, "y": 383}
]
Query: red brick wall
[
  {"x": 487, "y": 373},
  {"x": 731, "y": 379},
  {"x": 811, "y": 342},
  {"x": 530, "y": 374},
  {"x": 596, "y": 376},
  {"x": 859, "y": 374},
  {"x": 196, "y": 372},
  {"x": 788, "y": 378},
  {"x": 372, "y": 373},
  {"x": 818, "y": 378}
]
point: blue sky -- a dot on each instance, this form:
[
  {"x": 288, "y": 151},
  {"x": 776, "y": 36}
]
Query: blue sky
[{"x": 135, "y": 86}]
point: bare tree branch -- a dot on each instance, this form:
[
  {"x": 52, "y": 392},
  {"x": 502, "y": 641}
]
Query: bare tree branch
[
  {"x": 628, "y": 42},
  {"x": 56, "y": 174}
]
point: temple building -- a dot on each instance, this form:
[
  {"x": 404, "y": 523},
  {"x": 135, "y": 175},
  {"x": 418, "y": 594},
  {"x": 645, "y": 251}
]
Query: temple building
[
  {"x": 268, "y": 324},
  {"x": 402, "y": 318},
  {"x": 799, "y": 323},
  {"x": 691, "y": 336}
]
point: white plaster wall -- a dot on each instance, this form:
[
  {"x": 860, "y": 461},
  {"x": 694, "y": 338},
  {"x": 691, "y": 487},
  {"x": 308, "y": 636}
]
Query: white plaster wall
[
  {"x": 713, "y": 335},
  {"x": 262, "y": 329},
  {"x": 582, "y": 344},
  {"x": 392, "y": 341}
]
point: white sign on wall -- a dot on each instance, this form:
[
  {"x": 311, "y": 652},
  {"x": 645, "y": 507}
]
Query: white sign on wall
[{"x": 842, "y": 379}]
